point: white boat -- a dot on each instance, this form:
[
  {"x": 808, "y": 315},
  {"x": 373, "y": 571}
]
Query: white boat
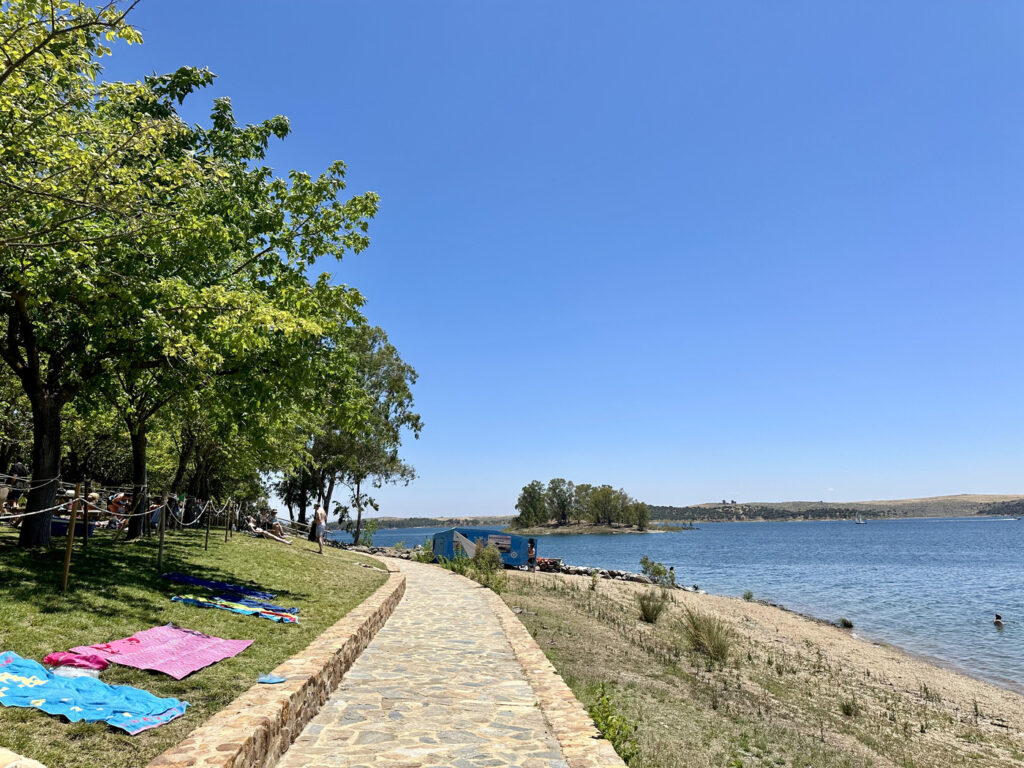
[{"x": 860, "y": 520}]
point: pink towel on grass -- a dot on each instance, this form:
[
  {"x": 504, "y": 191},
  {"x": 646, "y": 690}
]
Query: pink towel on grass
[
  {"x": 175, "y": 651},
  {"x": 80, "y": 660}
]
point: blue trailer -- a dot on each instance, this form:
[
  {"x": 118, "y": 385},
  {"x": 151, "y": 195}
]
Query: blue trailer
[{"x": 461, "y": 542}]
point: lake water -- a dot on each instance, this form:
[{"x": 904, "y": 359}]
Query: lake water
[{"x": 931, "y": 586}]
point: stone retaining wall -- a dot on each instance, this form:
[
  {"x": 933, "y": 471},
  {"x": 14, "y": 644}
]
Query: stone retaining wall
[
  {"x": 10, "y": 760},
  {"x": 259, "y": 726}
]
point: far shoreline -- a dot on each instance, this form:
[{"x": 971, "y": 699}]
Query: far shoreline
[{"x": 579, "y": 529}]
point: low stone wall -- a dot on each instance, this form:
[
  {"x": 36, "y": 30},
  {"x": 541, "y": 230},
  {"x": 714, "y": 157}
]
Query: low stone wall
[
  {"x": 10, "y": 760},
  {"x": 582, "y": 744},
  {"x": 259, "y": 726}
]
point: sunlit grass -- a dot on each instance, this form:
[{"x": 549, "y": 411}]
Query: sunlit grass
[{"x": 115, "y": 591}]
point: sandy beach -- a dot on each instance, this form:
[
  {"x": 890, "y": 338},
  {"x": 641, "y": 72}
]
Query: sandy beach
[{"x": 817, "y": 692}]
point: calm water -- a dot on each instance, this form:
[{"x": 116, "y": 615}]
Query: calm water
[{"x": 929, "y": 586}]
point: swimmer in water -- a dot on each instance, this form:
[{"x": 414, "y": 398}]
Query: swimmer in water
[{"x": 999, "y": 621}]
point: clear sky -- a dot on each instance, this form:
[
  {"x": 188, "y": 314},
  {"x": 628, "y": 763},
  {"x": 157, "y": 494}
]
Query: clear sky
[{"x": 697, "y": 250}]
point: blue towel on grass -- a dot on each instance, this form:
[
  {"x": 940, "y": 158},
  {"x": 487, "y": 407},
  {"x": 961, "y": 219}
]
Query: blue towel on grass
[
  {"x": 26, "y": 683},
  {"x": 234, "y": 597},
  {"x": 183, "y": 578}
]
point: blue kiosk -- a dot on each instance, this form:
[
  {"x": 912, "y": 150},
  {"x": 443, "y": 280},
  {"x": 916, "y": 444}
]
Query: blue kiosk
[{"x": 461, "y": 542}]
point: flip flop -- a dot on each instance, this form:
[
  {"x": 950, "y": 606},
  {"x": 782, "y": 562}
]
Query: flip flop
[{"x": 270, "y": 679}]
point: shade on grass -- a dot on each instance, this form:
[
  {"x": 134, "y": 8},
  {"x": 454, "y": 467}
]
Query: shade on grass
[{"x": 116, "y": 591}]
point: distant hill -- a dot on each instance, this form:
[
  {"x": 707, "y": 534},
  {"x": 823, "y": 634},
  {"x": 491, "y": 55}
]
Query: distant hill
[
  {"x": 962, "y": 505},
  {"x": 442, "y": 522}
]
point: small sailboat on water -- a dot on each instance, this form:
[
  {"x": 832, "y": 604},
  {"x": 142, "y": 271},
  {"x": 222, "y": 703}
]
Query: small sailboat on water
[{"x": 859, "y": 520}]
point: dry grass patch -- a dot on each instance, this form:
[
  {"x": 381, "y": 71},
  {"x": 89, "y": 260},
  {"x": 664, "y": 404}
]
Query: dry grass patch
[{"x": 784, "y": 694}]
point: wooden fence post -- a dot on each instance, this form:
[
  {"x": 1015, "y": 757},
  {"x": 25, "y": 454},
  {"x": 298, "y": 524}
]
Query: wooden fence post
[
  {"x": 71, "y": 539},
  {"x": 85, "y": 530},
  {"x": 160, "y": 548},
  {"x": 207, "y": 544}
]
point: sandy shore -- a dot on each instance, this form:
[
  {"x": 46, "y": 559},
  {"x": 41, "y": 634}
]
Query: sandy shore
[{"x": 800, "y": 669}]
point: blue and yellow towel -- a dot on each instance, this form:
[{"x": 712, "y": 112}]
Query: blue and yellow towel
[
  {"x": 245, "y": 610},
  {"x": 26, "y": 683}
]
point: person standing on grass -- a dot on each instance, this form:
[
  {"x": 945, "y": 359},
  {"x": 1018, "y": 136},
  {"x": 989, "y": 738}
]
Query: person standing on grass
[
  {"x": 320, "y": 520},
  {"x": 531, "y": 555}
]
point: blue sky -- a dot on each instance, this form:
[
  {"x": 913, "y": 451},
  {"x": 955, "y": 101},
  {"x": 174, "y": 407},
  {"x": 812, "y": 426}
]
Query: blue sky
[{"x": 744, "y": 250}]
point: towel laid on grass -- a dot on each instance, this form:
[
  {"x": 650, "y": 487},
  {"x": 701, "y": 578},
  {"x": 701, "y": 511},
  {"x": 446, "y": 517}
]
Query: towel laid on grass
[
  {"x": 26, "y": 683},
  {"x": 175, "y": 651},
  {"x": 223, "y": 586},
  {"x": 263, "y": 605},
  {"x": 228, "y": 605}
]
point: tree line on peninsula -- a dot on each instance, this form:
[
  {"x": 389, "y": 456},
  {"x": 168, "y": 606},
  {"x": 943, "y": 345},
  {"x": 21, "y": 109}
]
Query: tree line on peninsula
[
  {"x": 561, "y": 502},
  {"x": 162, "y": 322}
]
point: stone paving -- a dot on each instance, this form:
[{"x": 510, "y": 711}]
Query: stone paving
[
  {"x": 10, "y": 760},
  {"x": 438, "y": 686}
]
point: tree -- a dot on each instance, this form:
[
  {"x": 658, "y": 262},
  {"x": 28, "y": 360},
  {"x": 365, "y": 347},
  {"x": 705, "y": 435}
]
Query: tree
[
  {"x": 15, "y": 421},
  {"x": 640, "y": 515},
  {"x": 532, "y": 505},
  {"x": 105, "y": 192},
  {"x": 604, "y": 505},
  {"x": 560, "y": 496},
  {"x": 376, "y": 415},
  {"x": 581, "y": 502}
]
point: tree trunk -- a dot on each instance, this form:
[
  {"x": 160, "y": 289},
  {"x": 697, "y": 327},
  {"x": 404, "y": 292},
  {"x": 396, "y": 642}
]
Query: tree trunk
[
  {"x": 303, "y": 497},
  {"x": 187, "y": 447},
  {"x": 35, "y": 530},
  {"x": 330, "y": 494},
  {"x": 6, "y": 456},
  {"x": 140, "y": 482},
  {"x": 359, "y": 515}
]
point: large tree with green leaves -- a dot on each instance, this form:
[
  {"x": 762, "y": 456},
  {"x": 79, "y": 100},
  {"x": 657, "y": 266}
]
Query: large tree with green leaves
[
  {"x": 560, "y": 497},
  {"x": 532, "y": 505},
  {"x": 132, "y": 242}
]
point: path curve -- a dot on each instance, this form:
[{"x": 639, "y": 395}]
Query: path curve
[{"x": 438, "y": 686}]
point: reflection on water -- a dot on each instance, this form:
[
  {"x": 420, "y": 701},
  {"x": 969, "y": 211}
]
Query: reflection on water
[{"x": 931, "y": 586}]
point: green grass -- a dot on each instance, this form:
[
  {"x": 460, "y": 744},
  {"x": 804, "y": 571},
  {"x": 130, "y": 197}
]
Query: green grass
[
  {"x": 707, "y": 635},
  {"x": 115, "y": 590}
]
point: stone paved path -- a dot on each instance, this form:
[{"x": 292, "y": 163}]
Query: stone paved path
[{"x": 437, "y": 687}]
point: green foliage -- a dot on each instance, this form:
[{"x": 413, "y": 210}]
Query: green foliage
[
  {"x": 531, "y": 506},
  {"x": 487, "y": 559},
  {"x": 563, "y": 501},
  {"x": 845, "y": 623},
  {"x": 595, "y": 579},
  {"x": 485, "y": 567},
  {"x": 369, "y": 528},
  {"x": 651, "y": 604},
  {"x": 656, "y": 572},
  {"x": 729, "y": 511},
  {"x": 849, "y": 707},
  {"x": 613, "y": 726},
  {"x": 425, "y": 555},
  {"x": 748, "y": 595},
  {"x": 560, "y": 495},
  {"x": 708, "y": 635},
  {"x": 205, "y": 338},
  {"x": 488, "y": 568},
  {"x": 459, "y": 564}
]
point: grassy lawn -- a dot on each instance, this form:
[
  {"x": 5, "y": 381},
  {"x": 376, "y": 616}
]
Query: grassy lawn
[
  {"x": 116, "y": 591},
  {"x": 775, "y": 704}
]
